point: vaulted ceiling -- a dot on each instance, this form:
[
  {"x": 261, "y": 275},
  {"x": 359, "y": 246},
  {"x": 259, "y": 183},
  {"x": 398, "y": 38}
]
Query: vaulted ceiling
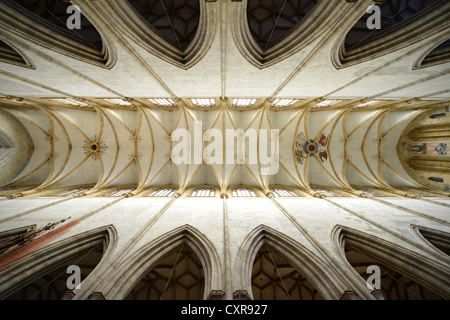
[
  {"x": 340, "y": 147},
  {"x": 222, "y": 50}
]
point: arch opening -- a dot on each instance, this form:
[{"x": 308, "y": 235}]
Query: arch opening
[
  {"x": 438, "y": 55},
  {"x": 393, "y": 283},
  {"x": 53, "y": 283},
  {"x": 392, "y": 13},
  {"x": 274, "y": 278},
  {"x": 270, "y": 21},
  {"x": 176, "y": 276},
  {"x": 54, "y": 13},
  {"x": 176, "y": 21},
  {"x": 438, "y": 239},
  {"x": 10, "y": 55}
]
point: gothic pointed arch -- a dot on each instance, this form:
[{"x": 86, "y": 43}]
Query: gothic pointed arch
[
  {"x": 45, "y": 23},
  {"x": 42, "y": 273},
  {"x": 169, "y": 246},
  {"x": 176, "y": 21},
  {"x": 12, "y": 55},
  {"x": 178, "y": 275},
  {"x": 274, "y": 278},
  {"x": 402, "y": 24},
  {"x": 302, "y": 261},
  {"x": 264, "y": 39},
  {"x": 270, "y": 21},
  {"x": 437, "y": 239},
  {"x": 16, "y": 147},
  {"x": 178, "y": 32},
  {"x": 404, "y": 274},
  {"x": 424, "y": 149},
  {"x": 434, "y": 56}
]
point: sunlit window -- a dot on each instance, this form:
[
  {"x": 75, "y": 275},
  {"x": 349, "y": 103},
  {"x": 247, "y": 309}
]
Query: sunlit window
[
  {"x": 203, "y": 102},
  {"x": 283, "y": 102},
  {"x": 163, "y": 102},
  {"x": 243, "y": 192},
  {"x": 203, "y": 192},
  {"x": 162, "y": 193},
  {"x": 283, "y": 193},
  {"x": 243, "y": 102}
]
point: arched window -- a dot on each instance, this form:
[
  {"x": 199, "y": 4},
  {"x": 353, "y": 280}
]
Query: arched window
[
  {"x": 273, "y": 278},
  {"x": 243, "y": 192},
  {"x": 203, "y": 192},
  {"x": 167, "y": 192},
  {"x": 283, "y": 192}
]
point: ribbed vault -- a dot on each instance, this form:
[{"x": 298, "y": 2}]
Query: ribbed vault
[
  {"x": 270, "y": 20},
  {"x": 176, "y": 21},
  {"x": 131, "y": 148}
]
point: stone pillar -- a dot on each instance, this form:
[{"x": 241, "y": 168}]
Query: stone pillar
[{"x": 226, "y": 249}]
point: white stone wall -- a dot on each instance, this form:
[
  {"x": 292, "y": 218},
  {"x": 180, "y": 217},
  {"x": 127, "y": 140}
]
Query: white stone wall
[{"x": 309, "y": 222}]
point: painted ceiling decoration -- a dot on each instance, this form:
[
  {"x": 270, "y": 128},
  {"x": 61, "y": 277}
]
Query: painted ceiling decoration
[
  {"x": 424, "y": 149},
  {"x": 132, "y": 146},
  {"x": 176, "y": 21},
  {"x": 402, "y": 24}
]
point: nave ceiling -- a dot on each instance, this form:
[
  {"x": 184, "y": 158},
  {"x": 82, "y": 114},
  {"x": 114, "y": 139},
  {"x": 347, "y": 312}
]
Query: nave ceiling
[
  {"x": 377, "y": 89},
  {"x": 132, "y": 146}
]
